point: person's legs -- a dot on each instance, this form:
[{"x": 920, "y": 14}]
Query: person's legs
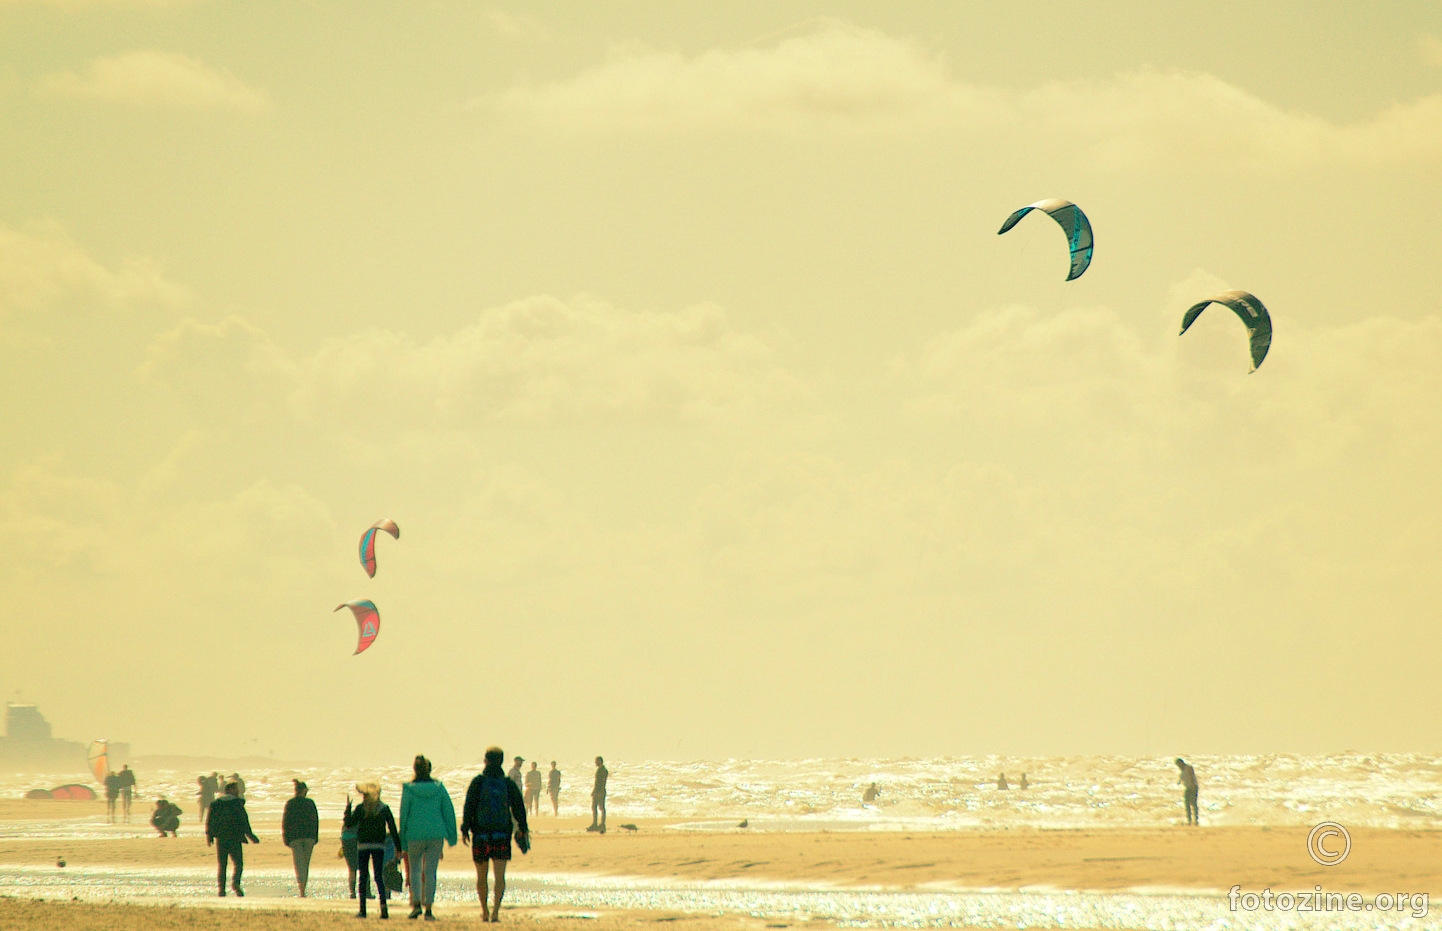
[
  {"x": 222, "y": 858},
  {"x": 499, "y": 866},
  {"x": 364, "y": 867},
  {"x": 352, "y": 861},
  {"x": 595, "y": 804},
  {"x": 603, "y": 814},
  {"x": 300, "y": 853},
  {"x": 556, "y": 804},
  {"x": 434, "y": 851},
  {"x": 482, "y": 888},
  {"x": 237, "y": 857}
]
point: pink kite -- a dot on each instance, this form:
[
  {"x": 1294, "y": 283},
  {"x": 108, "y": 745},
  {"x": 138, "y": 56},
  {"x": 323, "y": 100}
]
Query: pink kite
[
  {"x": 367, "y": 622},
  {"x": 368, "y": 543}
]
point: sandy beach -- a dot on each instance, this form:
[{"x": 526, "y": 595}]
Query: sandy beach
[{"x": 1198, "y": 862}]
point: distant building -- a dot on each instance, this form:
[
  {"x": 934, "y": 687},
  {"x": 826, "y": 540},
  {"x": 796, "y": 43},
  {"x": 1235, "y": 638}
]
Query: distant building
[{"x": 29, "y": 747}]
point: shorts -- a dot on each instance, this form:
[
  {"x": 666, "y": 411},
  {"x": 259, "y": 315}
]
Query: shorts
[{"x": 490, "y": 847}]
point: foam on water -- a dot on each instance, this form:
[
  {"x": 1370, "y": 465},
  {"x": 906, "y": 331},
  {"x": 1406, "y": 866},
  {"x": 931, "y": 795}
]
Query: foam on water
[{"x": 1379, "y": 790}]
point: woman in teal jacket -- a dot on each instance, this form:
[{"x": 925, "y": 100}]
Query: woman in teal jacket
[{"x": 427, "y": 819}]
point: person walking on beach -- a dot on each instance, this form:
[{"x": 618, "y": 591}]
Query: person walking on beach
[
  {"x": 1023, "y": 784},
  {"x": 1188, "y": 778},
  {"x": 300, "y": 829},
  {"x": 514, "y": 774},
  {"x": 870, "y": 794},
  {"x": 227, "y": 829},
  {"x": 553, "y": 788},
  {"x": 112, "y": 794},
  {"x": 348, "y": 845},
  {"x": 165, "y": 818},
  {"x": 206, "y": 795},
  {"x": 127, "y": 790},
  {"x": 373, "y": 823},
  {"x": 493, "y": 803},
  {"x": 533, "y": 789},
  {"x": 1001, "y": 781},
  {"x": 598, "y": 797},
  {"x": 428, "y": 822},
  {"x": 240, "y": 784}
]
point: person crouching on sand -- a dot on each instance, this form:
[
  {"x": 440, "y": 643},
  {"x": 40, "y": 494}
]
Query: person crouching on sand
[
  {"x": 427, "y": 821},
  {"x": 492, "y": 802},
  {"x": 373, "y": 823},
  {"x": 166, "y": 817}
]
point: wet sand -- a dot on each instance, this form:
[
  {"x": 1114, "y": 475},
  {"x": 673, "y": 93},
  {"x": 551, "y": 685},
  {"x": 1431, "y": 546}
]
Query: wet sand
[{"x": 1196, "y": 860}]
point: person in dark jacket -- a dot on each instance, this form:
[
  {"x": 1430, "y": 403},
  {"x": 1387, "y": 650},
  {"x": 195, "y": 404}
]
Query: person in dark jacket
[
  {"x": 227, "y": 828},
  {"x": 373, "y": 823},
  {"x": 493, "y": 804},
  {"x": 300, "y": 829},
  {"x": 165, "y": 818}
]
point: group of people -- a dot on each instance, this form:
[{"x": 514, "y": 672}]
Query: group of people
[
  {"x": 375, "y": 844},
  {"x": 119, "y": 789}
]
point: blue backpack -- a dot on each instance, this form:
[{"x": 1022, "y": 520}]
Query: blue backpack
[{"x": 493, "y": 814}]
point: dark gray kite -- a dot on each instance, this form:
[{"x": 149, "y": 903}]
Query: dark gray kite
[
  {"x": 1073, "y": 222},
  {"x": 1253, "y": 314}
]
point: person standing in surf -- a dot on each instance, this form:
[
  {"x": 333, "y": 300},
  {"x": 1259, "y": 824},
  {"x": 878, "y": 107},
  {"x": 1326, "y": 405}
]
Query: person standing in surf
[
  {"x": 553, "y": 788},
  {"x": 1188, "y": 779},
  {"x": 493, "y": 804}
]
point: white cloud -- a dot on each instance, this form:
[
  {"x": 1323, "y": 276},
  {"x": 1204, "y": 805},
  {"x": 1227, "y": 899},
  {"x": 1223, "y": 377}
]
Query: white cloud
[
  {"x": 536, "y": 360},
  {"x": 149, "y": 78},
  {"x": 844, "y": 78},
  {"x": 43, "y": 271}
]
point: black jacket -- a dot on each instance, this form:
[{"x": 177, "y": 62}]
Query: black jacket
[
  {"x": 373, "y": 828},
  {"x": 301, "y": 821},
  {"x": 226, "y": 820}
]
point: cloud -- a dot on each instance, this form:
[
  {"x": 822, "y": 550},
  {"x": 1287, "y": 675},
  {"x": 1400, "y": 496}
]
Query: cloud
[
  {"x": 536, "y": 360},
  {"x": 839, "y": 75},
  {"x": 843, "y": 78},
  {"x": 149, "y": 78},
  {"x": 515, "y": 27},
  {"x": 43, "y": 272}
]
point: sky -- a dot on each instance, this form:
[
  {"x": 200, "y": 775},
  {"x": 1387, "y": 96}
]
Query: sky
[{"x": 717, "y": 418}]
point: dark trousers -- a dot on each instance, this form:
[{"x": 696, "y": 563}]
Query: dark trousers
[
  {"x": 234, "y": 851},
  {"x": 372, "y": 859}
]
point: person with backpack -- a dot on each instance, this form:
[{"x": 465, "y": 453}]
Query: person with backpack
[{"x": 493, "y": 804}]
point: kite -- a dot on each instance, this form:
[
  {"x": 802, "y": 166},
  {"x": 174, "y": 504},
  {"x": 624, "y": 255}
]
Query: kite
[
  {"x": 368, "y": 543},
  {"x": 1253, "y": 314},
  {"x": 1072, "y": 221},
  {"x": 367, "y": 622},
  {"x": 99, "y": 759}
]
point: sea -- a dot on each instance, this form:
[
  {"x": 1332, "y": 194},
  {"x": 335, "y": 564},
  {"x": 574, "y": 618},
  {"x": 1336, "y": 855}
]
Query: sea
[{"x": 1384, "y": 790}]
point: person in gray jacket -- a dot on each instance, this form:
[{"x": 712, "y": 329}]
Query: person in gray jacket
[{"x": 427, "y": 819}]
